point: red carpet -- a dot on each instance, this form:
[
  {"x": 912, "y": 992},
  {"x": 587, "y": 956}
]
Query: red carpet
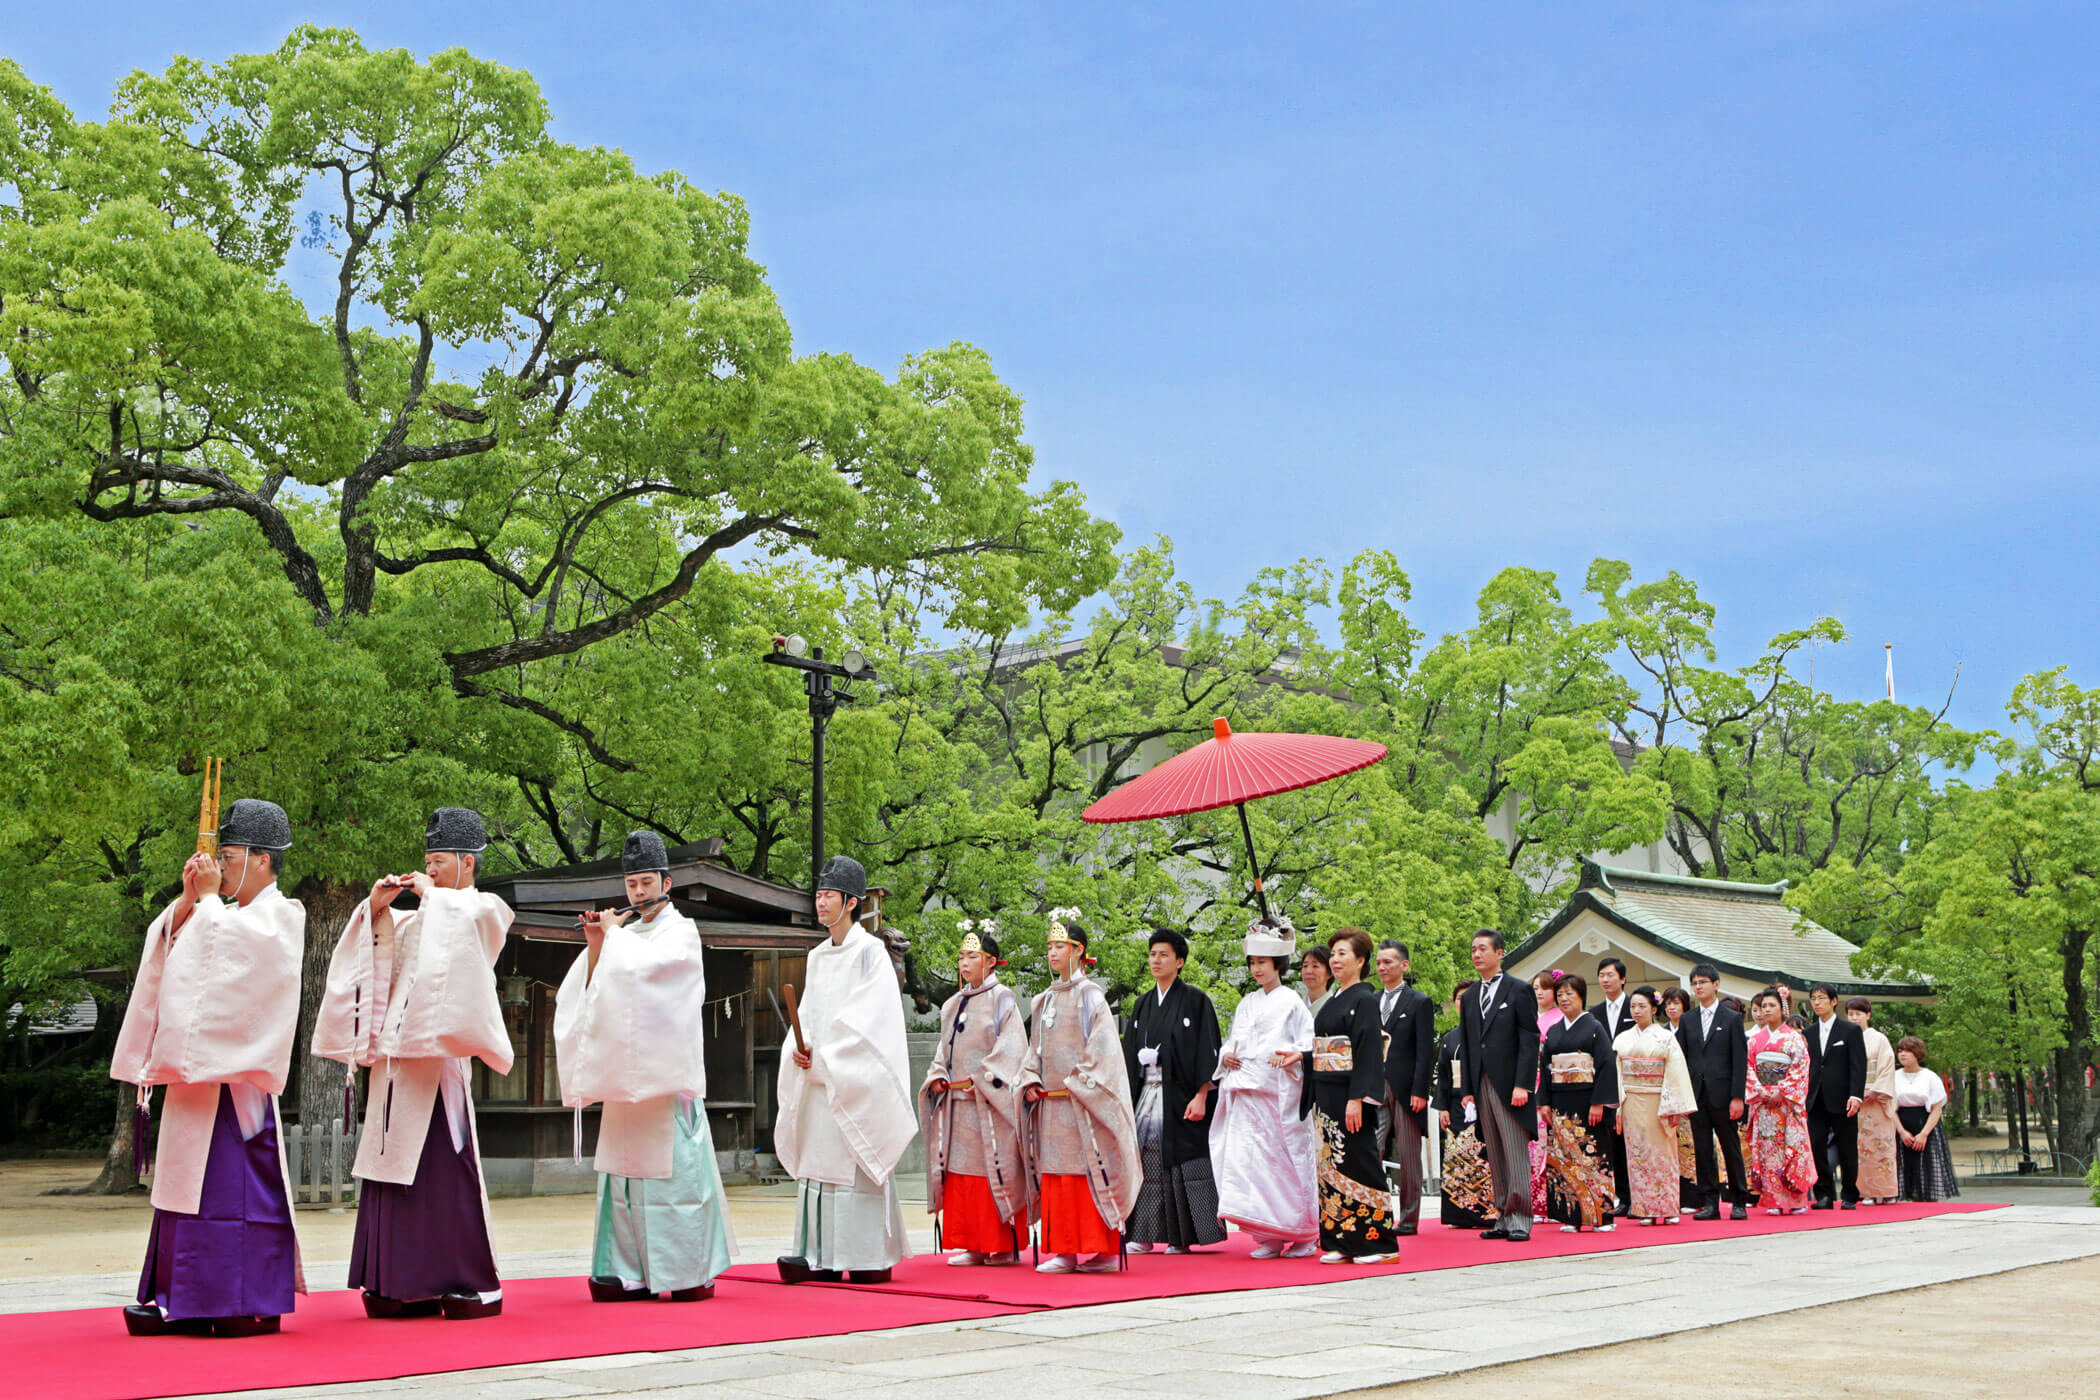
[{"x": 84, "y": 1354}]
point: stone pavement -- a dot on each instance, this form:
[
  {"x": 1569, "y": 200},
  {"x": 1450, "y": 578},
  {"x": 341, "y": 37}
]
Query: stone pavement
[{"x": 1278, "y": 1344}]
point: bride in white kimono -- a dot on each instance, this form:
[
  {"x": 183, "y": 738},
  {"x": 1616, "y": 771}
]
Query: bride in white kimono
[{"x": 1262, "y": 1149}]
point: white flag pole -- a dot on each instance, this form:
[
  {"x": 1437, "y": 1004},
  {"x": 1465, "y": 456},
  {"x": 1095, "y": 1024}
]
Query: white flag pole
[{"x": 1889, "y": 671}]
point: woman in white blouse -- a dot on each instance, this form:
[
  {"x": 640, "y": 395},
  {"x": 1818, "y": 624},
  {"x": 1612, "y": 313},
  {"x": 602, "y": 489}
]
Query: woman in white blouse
[{"x": 1924, "y": 1166}]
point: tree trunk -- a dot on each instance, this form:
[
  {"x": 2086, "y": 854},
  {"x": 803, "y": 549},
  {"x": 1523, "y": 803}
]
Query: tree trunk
[
  {"x": 317, "y": 1083},
  {"x": 2073, "y": 1101}
]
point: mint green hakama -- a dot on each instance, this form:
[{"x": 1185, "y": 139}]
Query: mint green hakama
[{"x": 671, "y": 1234}]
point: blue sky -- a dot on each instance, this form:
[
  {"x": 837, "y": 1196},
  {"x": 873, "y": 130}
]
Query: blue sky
[{"x": 1796, "y": 299}]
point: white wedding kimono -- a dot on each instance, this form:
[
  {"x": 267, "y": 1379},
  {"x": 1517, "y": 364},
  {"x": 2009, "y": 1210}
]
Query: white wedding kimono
[
  {"x": 845, "y": 1121},
  {"x": 1262, "y": 1151},
  {"x": 627, "y": 1035}
]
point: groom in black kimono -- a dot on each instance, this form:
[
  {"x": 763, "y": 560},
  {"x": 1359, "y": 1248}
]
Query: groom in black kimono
[
  {"x": 1171, "y": 1051},
  {"x": 1499, "y": 1038}
]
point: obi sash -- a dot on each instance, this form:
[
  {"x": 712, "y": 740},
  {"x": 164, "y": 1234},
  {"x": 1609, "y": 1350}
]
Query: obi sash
[
  {"x": 1771, "y": 1066},
  {"x": 1642, "y": 1074},
  {"x": 1333, "y": 1054},
  {"x": 1573, "y": 1067}
]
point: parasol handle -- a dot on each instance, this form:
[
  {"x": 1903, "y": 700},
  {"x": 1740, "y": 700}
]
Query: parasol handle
[{"x": 1261, "y": 894}]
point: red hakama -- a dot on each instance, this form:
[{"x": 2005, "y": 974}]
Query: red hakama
[
  {"x": 970, "y": 1218},
  {"x": 1072, "y": 1224}
]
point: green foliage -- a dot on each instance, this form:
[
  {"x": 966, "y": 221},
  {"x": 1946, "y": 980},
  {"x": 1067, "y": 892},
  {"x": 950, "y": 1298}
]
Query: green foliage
[{"x": 64, "y": 1107}]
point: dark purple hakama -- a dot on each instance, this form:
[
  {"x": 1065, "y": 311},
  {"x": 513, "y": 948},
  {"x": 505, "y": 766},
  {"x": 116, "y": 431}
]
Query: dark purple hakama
[
  {"x": 237, "y": 1256},
  {"x": 428, "y": 1238}
]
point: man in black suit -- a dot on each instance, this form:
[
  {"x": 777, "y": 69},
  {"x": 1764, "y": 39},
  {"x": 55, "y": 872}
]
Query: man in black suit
[
  {"x": 1499, "y": 1037},
  {"x": 1409, "y": 1021},
  {"x": 1711, "y": 1035},
  {"x": 1614, "y": 1015},
  {"x": 1837, "y": 1086}
]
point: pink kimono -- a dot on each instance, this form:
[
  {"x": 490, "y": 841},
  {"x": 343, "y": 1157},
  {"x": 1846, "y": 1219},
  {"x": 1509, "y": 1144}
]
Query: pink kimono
[{"x": 1781, "y": 1164}]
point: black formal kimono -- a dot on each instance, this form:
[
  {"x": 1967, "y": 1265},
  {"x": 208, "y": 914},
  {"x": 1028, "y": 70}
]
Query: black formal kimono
[
  {"x": 1356, "y": 1205},
  {"x": 1577, "y": 1073},
  {"x": 1615, "y": 1141},
  {"x": 1178, "y": 1204},
  {"x": 1468, "y": 1201}
]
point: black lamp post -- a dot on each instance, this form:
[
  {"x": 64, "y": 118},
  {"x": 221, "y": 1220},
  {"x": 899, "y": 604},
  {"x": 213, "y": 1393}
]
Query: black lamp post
[{"x": 824, "y": 698}]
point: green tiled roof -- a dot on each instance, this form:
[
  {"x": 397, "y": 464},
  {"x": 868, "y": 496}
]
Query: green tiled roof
[{"x": 1744, "y": 928}]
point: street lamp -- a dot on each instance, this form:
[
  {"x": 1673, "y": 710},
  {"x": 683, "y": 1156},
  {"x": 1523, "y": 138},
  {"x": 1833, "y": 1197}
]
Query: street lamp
[{"x": 817, "y": 678}]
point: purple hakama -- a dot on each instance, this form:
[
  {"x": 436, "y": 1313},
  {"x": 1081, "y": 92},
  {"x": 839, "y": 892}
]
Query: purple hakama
[
  {"x": 236, "y": 1257},
  {"x": 428, "y": 1238}
]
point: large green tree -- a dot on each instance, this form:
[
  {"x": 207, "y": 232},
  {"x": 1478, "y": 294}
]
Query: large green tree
[{"x": 551, "y": 398}]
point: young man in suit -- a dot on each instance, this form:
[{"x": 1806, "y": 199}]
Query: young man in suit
[
  {"x": 1837, "y": 1087},
  {"x": 1718, "y": 1056},
  {"x": 1499, "y": 1038},
  {"x": 1612, "y": 1012},
  {"x": 1408, "y": 1019}
]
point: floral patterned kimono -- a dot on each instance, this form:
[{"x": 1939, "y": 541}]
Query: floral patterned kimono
[
  {"x": 1877, "y": 1120},
  {"x": 1781, "y": 1163},
  {"x": 1655, "y": 1089}
]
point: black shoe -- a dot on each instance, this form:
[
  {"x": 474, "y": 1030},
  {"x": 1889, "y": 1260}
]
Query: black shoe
[
  {"x": 699, "y": 1294},
  {"x": 1517, "y": 1236},
  {"x": 378, "y": 1305},
  {"x": 1849, "y": 1205},
  {"x": 1824, "y": 1205},
  {"x": 868, "y": 1276},
  {"x": 1404, "y": 1229},
  {"x": 1739, "y": 1213},
  {"x": 1707, "y": 1213},
  {"x": 611, "y": 1290},
  {"x": 243, "y": 1326},
  {"x": 145, "y": 1320},
  {"x": 1621, "y": 1212},
  {"x": 465, "y": 1307},
  {"x": 795, "y": 1269},
  {"x": 1498, "y": 1233}
]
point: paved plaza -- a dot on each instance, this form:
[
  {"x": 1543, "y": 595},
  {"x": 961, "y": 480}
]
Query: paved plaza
[{"x": 1276, "y": 1344}]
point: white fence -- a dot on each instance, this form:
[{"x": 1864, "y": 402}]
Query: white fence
[{"x": 319, "y": 1157}]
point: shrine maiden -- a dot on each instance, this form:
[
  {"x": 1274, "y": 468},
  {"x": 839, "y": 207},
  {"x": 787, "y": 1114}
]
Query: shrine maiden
[{"x": 970, "y": 1112}]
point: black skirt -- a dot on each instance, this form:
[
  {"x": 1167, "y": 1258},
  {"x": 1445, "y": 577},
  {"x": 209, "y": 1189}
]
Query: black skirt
[{"x": 1927, "y": 1173}]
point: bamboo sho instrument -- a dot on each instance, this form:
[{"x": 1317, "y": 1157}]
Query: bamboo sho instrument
[{"x": 208, "y": 808}]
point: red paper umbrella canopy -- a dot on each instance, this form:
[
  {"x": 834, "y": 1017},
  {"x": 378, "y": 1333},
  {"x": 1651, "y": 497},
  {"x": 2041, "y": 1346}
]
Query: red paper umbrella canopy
[{"x": 1231, "y": 769}]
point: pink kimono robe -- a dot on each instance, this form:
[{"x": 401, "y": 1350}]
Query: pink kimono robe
[{"x": 1782, "y": 1165}]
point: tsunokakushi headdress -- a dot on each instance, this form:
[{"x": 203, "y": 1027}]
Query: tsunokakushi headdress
[{"x": 1272, "y": 936}]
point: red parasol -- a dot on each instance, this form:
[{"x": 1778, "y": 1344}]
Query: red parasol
[{"x": 1232, "y": 770}]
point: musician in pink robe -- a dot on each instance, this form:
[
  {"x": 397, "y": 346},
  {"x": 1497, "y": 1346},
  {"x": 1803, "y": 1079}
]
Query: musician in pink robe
[
  {"x": 1781, "y": 1161},
  {"x": 211, "y": 1017},
  {"x": 413, "y": 997}
]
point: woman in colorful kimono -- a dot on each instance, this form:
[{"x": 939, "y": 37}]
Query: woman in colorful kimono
[
  {"x": 1549, "y": 1016},
  {"x": 1924, "y": 1166},
  {"x": 1581, "y": 1083},
  {"x": 1782, "y": 1165},
  {"x": 1347, "y": 1083},
  {"x": 1655, "y": 1095},
  {"x": 1466, "y": 1195}
]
